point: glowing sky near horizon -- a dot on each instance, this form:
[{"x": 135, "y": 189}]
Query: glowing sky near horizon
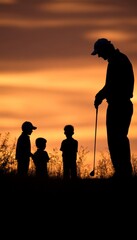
[{"x": 47, "y": 75}]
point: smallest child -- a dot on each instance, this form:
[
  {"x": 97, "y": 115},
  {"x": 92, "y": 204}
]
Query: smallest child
[{"x": 41, "y": 158}]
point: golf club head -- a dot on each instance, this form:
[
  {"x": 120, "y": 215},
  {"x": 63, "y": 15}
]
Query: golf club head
[{"x": 92, "y": 173}]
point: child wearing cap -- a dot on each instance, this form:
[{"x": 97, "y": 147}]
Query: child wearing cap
[
  {"x": 41, "y": 158},
  {"x": 23, "y": 149}
]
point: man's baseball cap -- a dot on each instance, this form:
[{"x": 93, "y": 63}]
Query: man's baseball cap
[
  {"x": 28, "y": 125},
  {"x": 101, "y": 42}
]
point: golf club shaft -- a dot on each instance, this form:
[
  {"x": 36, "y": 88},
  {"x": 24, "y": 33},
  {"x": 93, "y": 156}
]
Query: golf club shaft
[{"x": 95, "y": 139}]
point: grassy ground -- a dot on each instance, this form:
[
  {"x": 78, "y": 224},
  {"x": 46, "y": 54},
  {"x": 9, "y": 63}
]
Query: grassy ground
[
  {"x": 85, "y": 208},
  {"x": 80, "y": 189}
]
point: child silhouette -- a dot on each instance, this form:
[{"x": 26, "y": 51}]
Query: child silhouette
[
  {"x": 69, "y": 148},
  {"x": 23, "y": 149},
  {"x": 41, "y": 158}
]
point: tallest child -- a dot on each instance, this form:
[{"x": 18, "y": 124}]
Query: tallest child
[
  {"x": 23, "y": 149},
  {"x": 118, "y": 91}
]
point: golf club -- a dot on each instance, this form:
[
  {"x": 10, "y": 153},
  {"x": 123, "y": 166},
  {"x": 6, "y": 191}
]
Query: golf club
[{"x": 92, "y": 173}]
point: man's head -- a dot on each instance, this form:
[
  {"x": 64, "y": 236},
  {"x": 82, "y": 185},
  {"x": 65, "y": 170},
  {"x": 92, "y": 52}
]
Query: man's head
[
  {"x": 103, "y": 47},
  {"x": 99, "y": 44}
]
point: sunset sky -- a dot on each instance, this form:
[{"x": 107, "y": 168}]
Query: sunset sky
[{"x": 47, "y": 75}]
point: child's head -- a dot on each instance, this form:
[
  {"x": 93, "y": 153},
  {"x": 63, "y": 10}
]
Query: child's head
[
  {"x": 68, "y": 130},
  {"x": 41, "y": 143},
  {"x": 27, "y": 127}
]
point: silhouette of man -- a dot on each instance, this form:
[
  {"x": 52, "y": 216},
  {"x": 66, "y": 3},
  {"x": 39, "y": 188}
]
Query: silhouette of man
[
  {"x": 41, "y": 158},
  {"x": 118, "y": 91},
  {"x": 23, "y": 149},
  {"x": 69, "y": 148}
]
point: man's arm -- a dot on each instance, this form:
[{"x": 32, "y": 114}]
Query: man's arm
[{"x": 100, "y": 96}]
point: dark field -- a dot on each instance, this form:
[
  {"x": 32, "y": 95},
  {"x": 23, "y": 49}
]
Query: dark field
[
  {"x": 55, "y": 190},
  {"x": 75, "y": 209},
  {"x": 90, "y": 187}
]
